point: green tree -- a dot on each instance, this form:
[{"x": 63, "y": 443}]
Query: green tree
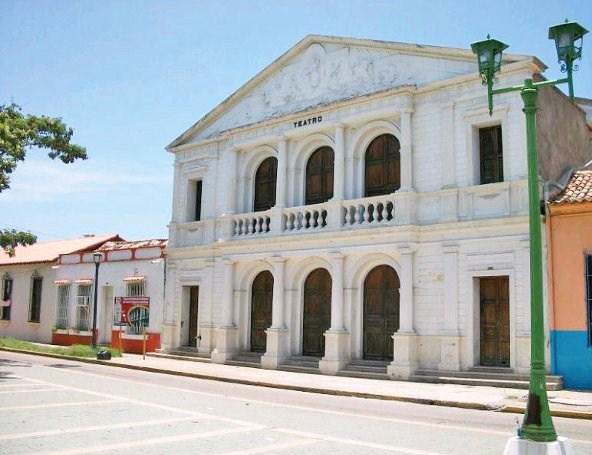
[{"x": 19, "y": 133}]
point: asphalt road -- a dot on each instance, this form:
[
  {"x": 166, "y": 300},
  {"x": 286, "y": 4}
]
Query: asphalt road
[{"x": 53, "y": 406}]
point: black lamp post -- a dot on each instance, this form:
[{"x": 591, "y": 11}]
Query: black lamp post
[{"x": 97, "y": 259}]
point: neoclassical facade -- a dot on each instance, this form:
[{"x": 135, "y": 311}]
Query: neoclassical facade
[{"x": 355, "y": 201}]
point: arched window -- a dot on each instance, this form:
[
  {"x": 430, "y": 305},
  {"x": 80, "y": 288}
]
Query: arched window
[
  {"x": 319, "y": 176},
  {"x": 383, "y": 166},
  {"x": 265, "y": 184}
]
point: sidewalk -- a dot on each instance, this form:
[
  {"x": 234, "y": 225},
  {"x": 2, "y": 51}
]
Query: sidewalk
[{"x": 563, "y": 403}]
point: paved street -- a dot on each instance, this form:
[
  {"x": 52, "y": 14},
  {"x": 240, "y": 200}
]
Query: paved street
[{"x": 55, "y": 406}]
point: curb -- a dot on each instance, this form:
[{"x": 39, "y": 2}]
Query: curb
[{"x": 425, "y": 401}]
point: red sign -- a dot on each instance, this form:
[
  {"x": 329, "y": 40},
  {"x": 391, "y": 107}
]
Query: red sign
[{"x": 124, "y": 305}]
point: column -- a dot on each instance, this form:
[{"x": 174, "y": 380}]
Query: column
[
  {"x": 280, "y": 194},
  {"x": 406, "y": 291},
  {"x": 227, "y": 332},
  {"x": 277, "y": 345},
  {"x": 337, "y": 338},
  {"x": 339, "y": 166},
  {"x": 406, "y": 151},
  {"x": 337, "y": 293},
  {"x": 406, "y": 341},
  {"x": 228, "y": 295},
  {"x": 207, "y": 329},
  {"x": 447, "y": 138},
  {"x": 450, "y": 339},
  {"x": 231, "y": 199},
  {"x": 278, "y": 293},
  {"x": 170, "y": 329}
]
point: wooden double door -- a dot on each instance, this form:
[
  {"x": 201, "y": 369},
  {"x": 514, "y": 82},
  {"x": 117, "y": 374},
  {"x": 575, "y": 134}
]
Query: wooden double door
[
  {"x": 494, "y": 302},
  {"x": 381, "y": 312},
  {"x": 316, "y": 318},
  {"x": 261, "y": 310}
]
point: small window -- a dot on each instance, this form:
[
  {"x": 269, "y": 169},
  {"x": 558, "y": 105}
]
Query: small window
[
  {"x": 35, "y": 303},
  {"x": 491, "y": 155},
  {"x": 83, "y": 301},
  {"x": 6, "y": 298},
  {"x": 194, "y": 199},
  {"x": 63, "y": 307},
  {"x": 589, "y": 297},
  {"x": 198, "y": 188},
  {"x": 136, "y": 288}
]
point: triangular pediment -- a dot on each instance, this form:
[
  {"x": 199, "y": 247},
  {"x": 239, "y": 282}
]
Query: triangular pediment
[{"x": 321, "y": 70}]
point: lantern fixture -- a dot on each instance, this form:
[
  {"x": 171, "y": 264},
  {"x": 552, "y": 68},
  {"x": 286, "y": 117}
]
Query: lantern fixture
[
  {"x": 569, "y": 38},
  {"x": 489, "y": 57}
]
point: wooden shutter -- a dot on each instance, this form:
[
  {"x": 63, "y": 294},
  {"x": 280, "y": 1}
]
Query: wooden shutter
[{"x": 491, "y": 155}]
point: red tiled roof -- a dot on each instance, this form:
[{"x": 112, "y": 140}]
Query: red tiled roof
[
  {"x": 578, "y": 189},
  {"x": 43, "y": 252}
]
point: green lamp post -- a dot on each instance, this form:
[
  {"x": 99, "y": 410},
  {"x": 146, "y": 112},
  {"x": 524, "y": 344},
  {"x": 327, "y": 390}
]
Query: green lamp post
[{"x": 537, "y": 424}]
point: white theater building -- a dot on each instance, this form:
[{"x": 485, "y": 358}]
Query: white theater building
[{"x": 355, "y": 201}]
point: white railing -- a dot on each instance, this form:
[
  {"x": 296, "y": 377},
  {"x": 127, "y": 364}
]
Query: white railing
[
  {"x": 251, "y": 224},
  {"x": 397, "y": 209},
  {"x": 370, "y": 211},
  {"x": 305, "y": 219}
]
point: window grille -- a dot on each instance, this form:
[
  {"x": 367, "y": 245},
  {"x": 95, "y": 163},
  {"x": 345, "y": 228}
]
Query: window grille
[
  {"x": 63, "y": 307},
  {"x": 136, "y": 288},
  {"x": 83, "y": 300}
]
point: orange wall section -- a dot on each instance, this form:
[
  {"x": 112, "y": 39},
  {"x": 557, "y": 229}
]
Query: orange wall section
[{"x": 570, "y": 238}]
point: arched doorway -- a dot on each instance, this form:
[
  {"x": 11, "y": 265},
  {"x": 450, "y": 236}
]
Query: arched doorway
[
  {"x": 261, "y": 305},
  {"x": 381, "y": 312},
  {"x": 317, "y": 312}
]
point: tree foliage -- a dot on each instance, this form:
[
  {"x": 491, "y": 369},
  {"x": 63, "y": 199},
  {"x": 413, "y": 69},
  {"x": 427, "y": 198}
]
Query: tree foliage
[
  {"x": 18, "y": 133},
  {"x": 10, "y": 238}
]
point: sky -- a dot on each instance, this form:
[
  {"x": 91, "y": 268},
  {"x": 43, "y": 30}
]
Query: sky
[{"x": 130, "y": 76}]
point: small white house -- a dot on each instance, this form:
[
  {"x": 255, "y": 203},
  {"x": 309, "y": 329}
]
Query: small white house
[
  {"x": 27, "y": 304},
  {"x": 130, "y": 293}
]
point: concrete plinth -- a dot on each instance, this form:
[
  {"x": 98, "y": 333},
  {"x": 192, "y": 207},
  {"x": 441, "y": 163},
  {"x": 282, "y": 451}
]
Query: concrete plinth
[
  {"x": 277, "y": 348},
  {"x": 517, "y": 446},
  {"x": 169, "y": 336},
  {"x": 337, "y": 352},
  {"x": 226, "y": 344},
  {"x": 206, "y": 338},
  {"x": 449, "y": 353},
  {"x": 405, "y": 356}
]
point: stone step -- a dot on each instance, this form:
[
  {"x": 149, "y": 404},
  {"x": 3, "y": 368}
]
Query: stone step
[
  {"x": 181, "y": 355},
  {"x": 368, "y": 369},
  {"x": 301, "y": 364},
  {"x": 477, "y": 377},
  {"x": 246, "y": 359}
]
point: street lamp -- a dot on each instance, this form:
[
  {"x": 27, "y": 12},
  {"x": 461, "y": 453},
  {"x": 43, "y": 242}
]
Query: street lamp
[
  {"x": 97, "y": 259},
  {"x": 537, "y": 424}
]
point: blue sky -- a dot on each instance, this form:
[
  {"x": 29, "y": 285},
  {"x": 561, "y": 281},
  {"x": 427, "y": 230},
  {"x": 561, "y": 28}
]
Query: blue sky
[{"x": 130, "y": 76}]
